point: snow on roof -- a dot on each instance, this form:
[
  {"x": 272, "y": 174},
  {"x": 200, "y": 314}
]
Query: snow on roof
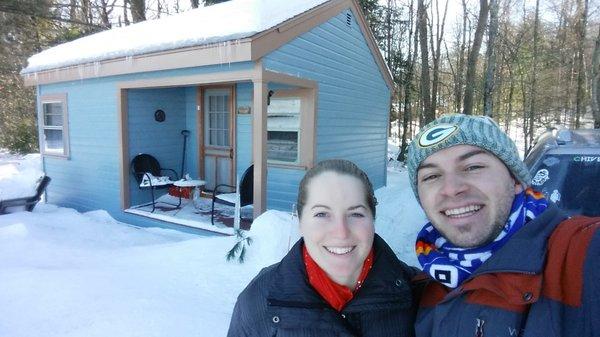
[{"x": 227, "y": 21}]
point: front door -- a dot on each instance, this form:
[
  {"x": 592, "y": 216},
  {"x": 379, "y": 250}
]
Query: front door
[{"x": 218, "y": 125}]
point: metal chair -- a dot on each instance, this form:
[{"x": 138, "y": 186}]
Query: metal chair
[
  {"x": 243, "y": 195},
  {"x": 27, "y": 202},
  {"x": 148, "y": 173}
]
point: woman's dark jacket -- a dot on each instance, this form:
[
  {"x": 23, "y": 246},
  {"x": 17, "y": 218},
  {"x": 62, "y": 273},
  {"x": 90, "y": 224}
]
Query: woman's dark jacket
[{"x": 280, "y": 301}]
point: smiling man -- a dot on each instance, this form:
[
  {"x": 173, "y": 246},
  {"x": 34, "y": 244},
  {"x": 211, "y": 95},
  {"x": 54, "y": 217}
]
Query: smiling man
[{"x": 499, "y": 260}]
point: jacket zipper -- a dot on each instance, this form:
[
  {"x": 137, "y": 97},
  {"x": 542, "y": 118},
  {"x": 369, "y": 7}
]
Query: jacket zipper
[{"x": 479, "y": 328}]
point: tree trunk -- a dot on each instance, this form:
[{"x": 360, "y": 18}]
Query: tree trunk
[
  {"x": 138, "y": 10},
  {"x": 195, "y": 3},
  {"x": 460, "y": 69},
  {"x": 105, "y": 13},
  {"x": 473, "y": 55},
  {"x": 581, "y": 25},
  {"x": 596, "y": 82},
  {"x": 436, "y": 50},
  {"x": 427, "y": 114},
  {"x": 488, "y": 106},
  {"x": 125, "y": 15},
  {"x": 533, "y": 93},
  {"x": 408, "y": 84},
  {"x": 389, "y": 61}
]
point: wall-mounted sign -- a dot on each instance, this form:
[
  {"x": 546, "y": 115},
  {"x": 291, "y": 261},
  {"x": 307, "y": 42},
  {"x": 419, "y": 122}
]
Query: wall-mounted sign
[{"x": 243, "y": 110}]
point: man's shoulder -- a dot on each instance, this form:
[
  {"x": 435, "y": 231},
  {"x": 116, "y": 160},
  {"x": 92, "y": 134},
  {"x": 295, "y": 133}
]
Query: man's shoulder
[
  {"x": 571, "y": 249},
  {"x": 575, "y": 234}
]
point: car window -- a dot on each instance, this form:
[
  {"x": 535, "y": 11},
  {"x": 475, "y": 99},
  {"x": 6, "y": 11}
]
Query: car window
[{"x": 571, "y": 181}]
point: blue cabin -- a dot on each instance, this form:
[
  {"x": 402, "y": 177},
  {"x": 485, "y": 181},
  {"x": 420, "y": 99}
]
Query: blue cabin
[{"x": 277, "y": 84}]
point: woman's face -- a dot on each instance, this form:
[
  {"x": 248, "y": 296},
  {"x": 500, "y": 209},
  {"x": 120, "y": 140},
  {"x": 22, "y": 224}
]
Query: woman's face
[{"x": 337, "y": 225}]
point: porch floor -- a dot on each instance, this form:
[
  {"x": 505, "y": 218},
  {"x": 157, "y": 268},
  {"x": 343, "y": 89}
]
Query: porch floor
[{"x": 194, "y": 215}]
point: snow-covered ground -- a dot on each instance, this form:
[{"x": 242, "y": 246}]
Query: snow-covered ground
[{"x": 65, "y": 273}]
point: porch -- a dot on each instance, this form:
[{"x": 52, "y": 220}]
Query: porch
[
  {"x": 194, "y": 213},
  {"x": 226, "y": 117}
]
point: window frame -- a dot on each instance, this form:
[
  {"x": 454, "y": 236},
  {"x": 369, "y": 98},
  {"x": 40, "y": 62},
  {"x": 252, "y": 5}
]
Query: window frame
[
  {"x": 306, "y": 129},
  {"x": 42, "y": 127},
  {"x": 288, "y": 94}
]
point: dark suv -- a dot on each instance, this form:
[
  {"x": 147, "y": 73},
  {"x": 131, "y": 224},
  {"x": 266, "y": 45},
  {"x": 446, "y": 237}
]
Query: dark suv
[{"x": 565, "y": 166}]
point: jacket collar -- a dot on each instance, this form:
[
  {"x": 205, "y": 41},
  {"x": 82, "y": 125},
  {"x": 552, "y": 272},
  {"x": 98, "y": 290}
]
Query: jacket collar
[
  {"x": 525, "y": 252},
  {"x": 386, "y": 285}
]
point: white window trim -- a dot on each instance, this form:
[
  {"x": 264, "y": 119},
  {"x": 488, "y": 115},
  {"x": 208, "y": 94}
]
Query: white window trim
[{"x": 54, "y": 98}]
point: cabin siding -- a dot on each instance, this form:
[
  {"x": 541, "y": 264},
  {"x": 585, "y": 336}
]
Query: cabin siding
[
  {"x": 352, "y": 117},
  {"x": 352, "y": 101},
  {"x": 89, "y": 178},
  {"x": 243, "y": 151}
]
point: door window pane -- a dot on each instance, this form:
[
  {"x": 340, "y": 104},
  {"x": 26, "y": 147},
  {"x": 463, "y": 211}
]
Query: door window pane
[{"x": 218, "y": 120}]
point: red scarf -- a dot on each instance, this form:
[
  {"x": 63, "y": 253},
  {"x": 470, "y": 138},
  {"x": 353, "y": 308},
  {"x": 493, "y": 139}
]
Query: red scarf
[{"x": 335, "y": 294}]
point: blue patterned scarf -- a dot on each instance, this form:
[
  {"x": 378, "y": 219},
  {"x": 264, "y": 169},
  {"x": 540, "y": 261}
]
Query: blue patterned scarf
[{"x": 451, "y": 265}]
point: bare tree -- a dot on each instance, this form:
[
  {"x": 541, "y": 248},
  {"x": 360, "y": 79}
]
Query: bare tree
[
  {"x": 195, "y": 3},
  {"x": 460, "y": 68},
  {"x": 529, "y": 118},
  {"x": 436, "y": 51},
  {"x": 427, "y": 114},
  {"x": 125, "y": 14},
  {"x": 488, "y": 106},
  {"x": 138, "y": 10},
  {"x": 596, "y": 82},
  {"x": 411, "y": 59},
  {"x": 473, "y": 56},
  {"x": 581, "y": 30}
]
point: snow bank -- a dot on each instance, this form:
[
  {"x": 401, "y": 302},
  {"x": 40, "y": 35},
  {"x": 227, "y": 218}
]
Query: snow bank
[
  {"x": 65, "y": 273},
  {"x": 19, "y": 175}
]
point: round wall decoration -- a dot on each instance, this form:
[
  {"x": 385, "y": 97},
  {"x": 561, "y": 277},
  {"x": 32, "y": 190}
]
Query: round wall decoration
[{"x": 159, "y": 115}]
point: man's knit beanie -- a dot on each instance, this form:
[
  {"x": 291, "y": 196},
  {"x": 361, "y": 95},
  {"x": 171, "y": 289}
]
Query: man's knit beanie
[{"x": 458, "y": 129}]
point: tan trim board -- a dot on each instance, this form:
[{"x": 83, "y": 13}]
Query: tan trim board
[
  {"x": 267, "y": 41},
  {"x": 259, "y": 141},
  {"x": 233, "y": 132},
  {"x": 271, "y": 76},
  {"x": 212, "y": 79},
  {"x": 249, "y": 49},
  {"x": 306, "y": 149},
  {"x": 235, "y": 51},
  {"x": 200, "y": 131},
  {"x": 124, "y": 144}
]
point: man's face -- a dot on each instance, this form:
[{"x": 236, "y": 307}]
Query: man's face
[{"x": 466, "y": 193}]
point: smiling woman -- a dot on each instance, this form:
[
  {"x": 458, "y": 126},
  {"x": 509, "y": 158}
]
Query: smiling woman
[{"x": 340, "y": 279}]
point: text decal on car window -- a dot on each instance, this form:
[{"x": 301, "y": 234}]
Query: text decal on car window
[{"x": 587, "y": 158}]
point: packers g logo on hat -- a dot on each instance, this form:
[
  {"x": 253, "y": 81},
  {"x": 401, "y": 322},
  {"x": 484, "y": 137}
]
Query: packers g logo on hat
[{"x": 437, "y": 134}]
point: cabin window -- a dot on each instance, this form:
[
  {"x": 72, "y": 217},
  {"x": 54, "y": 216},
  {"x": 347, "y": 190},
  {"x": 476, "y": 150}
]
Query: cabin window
[
  {"x": 283, "y": 130},
  {"x": 53, "y": 121}
]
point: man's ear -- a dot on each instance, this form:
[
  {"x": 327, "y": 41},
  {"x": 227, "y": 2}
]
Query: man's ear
[{"x": 518, "y": 187}]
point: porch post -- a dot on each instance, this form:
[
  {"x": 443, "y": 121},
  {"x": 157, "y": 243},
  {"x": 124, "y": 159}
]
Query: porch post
[{"x": 259, "y": 146}]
